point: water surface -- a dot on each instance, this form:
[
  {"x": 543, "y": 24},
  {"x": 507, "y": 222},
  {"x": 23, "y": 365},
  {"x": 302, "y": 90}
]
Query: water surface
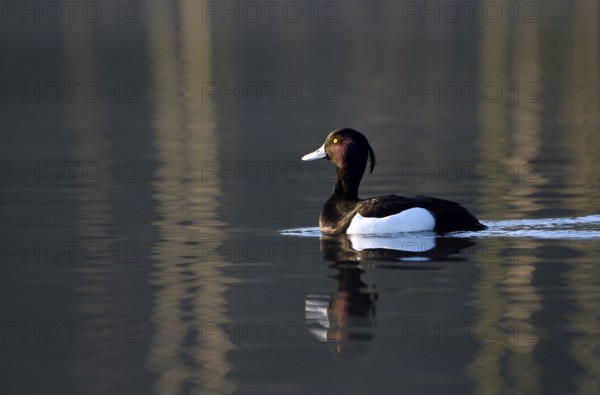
[{"x": 144, "y": 243}]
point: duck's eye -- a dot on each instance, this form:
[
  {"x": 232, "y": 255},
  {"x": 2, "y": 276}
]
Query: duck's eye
[{"x": 335, "y": 140}]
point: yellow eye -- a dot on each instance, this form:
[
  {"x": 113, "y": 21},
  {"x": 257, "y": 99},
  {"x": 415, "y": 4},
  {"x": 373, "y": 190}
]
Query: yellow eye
[{"x": 335, "y": 140}]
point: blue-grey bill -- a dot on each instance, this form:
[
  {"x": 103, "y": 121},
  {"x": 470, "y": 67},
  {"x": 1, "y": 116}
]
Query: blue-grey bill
[{"x": 318, "y": 154}]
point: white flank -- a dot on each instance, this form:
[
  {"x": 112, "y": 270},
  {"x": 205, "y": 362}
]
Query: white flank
[
  {"x": 418, "y": 243},
  {"x": 415, "y": 219}
]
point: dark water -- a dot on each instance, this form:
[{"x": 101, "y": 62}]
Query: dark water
[{"x": 150, "y": 161}]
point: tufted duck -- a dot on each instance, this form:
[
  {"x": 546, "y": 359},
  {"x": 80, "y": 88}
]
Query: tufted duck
[{"x": 344, "y": 212}]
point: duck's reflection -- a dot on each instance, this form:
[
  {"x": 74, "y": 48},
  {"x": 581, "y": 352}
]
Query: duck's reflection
[{"x": 346, "y": 319}]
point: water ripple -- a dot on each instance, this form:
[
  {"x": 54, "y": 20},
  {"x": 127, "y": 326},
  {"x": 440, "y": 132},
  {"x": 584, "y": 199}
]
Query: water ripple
[{"x": 587, "y": 227}]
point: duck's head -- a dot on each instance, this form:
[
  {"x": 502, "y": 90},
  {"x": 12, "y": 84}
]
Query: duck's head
[{"x": 347, "y": 149}]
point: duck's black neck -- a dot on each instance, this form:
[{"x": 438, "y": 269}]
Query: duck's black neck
[{"x": 348, "y": 180}]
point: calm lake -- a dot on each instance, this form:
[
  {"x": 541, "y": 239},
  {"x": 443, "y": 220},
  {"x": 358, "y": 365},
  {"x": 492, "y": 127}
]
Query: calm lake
[{"x": 158, "y": 228}]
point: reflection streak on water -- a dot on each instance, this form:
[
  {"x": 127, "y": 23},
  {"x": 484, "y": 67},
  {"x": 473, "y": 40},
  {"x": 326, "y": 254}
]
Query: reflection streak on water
[
  {"x": 87, "y": 122},
  {"x": 581, "y": 116},
  {"x": 505, "y": 295},
  {"x": 583, "y": 277},
  {"x": 580, "y": 106},
  {"x": 191, "y": 294}
]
